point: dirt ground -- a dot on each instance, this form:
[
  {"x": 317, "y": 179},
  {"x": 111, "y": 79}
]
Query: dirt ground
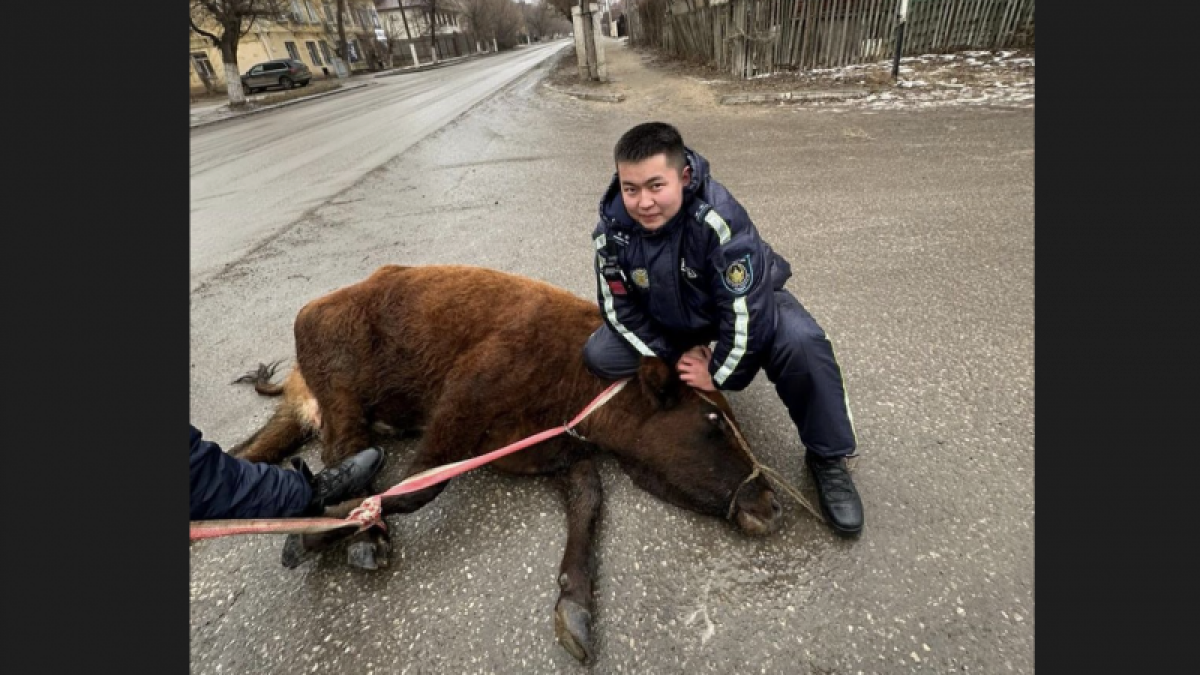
[{"x": 1004, "y": 77}]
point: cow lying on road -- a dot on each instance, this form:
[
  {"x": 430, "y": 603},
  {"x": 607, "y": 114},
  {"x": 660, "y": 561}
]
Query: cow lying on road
[{"x": 478, "y": 359}]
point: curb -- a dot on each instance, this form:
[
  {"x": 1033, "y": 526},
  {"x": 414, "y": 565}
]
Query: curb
[
  {"x": 432, "y": 66},
  {"x": 798, "y": 96},
  {"x": 587, "y": 95},
  {"x": 256, "y": 111}
]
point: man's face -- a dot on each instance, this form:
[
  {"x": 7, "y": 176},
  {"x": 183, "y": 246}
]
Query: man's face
[{"x": 652, "y": 190}]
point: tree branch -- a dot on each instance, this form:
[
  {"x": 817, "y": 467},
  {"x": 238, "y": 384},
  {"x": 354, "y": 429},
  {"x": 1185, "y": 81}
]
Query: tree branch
[{"x": 215, "y": 40}]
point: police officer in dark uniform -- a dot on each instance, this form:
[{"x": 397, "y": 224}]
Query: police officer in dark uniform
[{"x": 680, "y": 265}]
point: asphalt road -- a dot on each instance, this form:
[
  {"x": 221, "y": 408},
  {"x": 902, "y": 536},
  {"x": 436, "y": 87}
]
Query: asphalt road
[{"x": 252, "y": 178}]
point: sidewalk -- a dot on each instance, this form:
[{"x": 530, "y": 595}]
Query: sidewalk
[
  {"x": 208, "y": 113},
  {"x": 216, "y": 111},
  {"x": 431, "y": 66}
]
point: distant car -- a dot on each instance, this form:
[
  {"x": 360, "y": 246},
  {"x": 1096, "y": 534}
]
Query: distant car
[{"x": 282, "y": 73}]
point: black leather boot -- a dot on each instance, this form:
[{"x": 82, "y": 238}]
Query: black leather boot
[
  {"x": 336, "y": 484},
  {"x": 839, "y": 498}
]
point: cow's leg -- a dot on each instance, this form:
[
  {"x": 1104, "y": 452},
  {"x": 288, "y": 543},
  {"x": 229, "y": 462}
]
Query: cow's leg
[
  {"x": 369, "y": 550},
  {"x": 573, "y": 613},
  {"x": 444, "y": 443},
  {"x": 345, "y": 430},
  {"x": 280, "y": 437},
  {"x": 451, "y": 435}
]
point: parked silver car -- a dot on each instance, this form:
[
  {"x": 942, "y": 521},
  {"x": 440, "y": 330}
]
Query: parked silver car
[{"x": 282, "y": 73}]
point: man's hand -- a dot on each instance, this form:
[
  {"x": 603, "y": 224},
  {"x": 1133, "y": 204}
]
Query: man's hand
[{"x": 693, "y": 368}]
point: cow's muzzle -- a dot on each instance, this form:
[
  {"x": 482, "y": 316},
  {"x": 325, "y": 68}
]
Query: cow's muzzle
[{"x": 754, "y": 506}]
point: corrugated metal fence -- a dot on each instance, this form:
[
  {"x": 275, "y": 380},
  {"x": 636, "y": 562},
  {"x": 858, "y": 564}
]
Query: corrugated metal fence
[{"x": 754, "y": 37}]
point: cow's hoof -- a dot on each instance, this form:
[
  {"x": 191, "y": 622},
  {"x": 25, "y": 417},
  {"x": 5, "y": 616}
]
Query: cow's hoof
[
  {"x": 383, "y": 549},
  {"x": 294, "y": 552},
  {"x": 362, "y": 554},
  {"x": 573, "y": 626}
]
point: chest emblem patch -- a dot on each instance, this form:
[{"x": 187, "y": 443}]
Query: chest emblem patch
[{"x": 642, "y": 278}]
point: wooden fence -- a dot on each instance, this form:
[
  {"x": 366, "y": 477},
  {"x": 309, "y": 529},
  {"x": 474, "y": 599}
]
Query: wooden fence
[{"x": 755, "y": 37}]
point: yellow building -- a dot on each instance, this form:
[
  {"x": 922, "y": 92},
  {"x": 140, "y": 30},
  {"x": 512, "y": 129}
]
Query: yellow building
[{"x": 307, "y": 32}]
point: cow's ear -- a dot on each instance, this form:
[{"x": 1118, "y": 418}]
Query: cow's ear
[{"x": 659, "y": 383}]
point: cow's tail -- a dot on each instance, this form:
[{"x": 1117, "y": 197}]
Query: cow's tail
[
  {"x": 295, "y": 421},
  {"x": 261, "y": 379}
]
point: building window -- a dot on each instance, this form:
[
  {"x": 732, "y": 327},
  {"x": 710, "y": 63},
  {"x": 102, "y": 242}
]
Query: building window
[
  {"x": 326, "y": 51},
  {"x": 203, "y": 65},
  {"x": 330, "y": 12},
  {"x": 313, "y": 53},
  {"x": 292, "y": 51},
  {"x": 312, "y": 13}
]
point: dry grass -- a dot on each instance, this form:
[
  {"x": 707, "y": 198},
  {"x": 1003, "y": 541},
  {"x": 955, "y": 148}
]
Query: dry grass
[
  {"x": 871, "y": 77},
  {"x": 314, "y": 87}
]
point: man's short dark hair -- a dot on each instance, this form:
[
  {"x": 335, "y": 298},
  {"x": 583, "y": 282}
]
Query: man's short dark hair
[{"x": 649, "y": 139}]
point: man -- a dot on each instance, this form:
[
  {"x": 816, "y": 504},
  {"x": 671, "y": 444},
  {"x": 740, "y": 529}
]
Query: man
[{"x": 680, "y": 265}]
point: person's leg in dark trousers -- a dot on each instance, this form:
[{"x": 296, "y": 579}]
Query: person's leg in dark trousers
[
  {"x": 808, "y": 379},
  {"x": 227, "y": 487},
  {"x": 609, "y": 356}
]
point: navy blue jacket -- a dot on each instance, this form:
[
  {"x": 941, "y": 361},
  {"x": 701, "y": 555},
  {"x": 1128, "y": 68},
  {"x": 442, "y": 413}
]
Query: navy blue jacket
[{"x": 705, "y": 275}]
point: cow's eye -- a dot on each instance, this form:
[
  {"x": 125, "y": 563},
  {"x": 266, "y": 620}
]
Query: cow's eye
[{"x": 716, "y": 420}]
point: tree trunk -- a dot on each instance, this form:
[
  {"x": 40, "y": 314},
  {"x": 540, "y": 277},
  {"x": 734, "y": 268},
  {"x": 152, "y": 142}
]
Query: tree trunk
[
  {"x": 404, "y": 16},
  {"x": 433, "y": 29},
  {"x": 233, "y": 78},
  {"x": 343, "y": 46}
]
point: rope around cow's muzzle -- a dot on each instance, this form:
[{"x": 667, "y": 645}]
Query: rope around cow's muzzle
[{"x": 761, "y": 469}]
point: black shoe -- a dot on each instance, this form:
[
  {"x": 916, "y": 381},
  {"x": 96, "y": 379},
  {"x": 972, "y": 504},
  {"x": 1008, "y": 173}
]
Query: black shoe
[
  {"x": 839, "y": 499},
  {"x": 339, "y": 483}
]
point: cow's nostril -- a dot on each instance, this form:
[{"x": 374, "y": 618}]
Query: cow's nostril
[{"x": 776, "y": 509}]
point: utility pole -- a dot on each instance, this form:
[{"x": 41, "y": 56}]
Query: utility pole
[{"x": 589, "y": 39}]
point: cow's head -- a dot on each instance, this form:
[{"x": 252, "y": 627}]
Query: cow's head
[{"x": 678, "y": 446}]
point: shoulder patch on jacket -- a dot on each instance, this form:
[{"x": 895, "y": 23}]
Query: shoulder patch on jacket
[{"x": 739, "y": 276}]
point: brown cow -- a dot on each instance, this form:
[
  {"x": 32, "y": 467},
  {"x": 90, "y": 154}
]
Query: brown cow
[{"x": 478, "y": 359}]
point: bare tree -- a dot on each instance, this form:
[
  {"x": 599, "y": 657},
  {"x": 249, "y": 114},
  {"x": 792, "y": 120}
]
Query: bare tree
[
  {"x": 539, "y": 18},
  {"x": 341, "y": 50},
  {"x": 476, "y": 15},
  {"x": 492, "y": 19},
  {"x": 224, "y": 23},
  {"x": 359, "y": 9},
  {"x": 563, "y": 7},
  {"x": 506, "y": 24},
  {"x": 395, "y": 37},
  {"x": 430, "y": 8},
  {"x": 404, "y": 18}
]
